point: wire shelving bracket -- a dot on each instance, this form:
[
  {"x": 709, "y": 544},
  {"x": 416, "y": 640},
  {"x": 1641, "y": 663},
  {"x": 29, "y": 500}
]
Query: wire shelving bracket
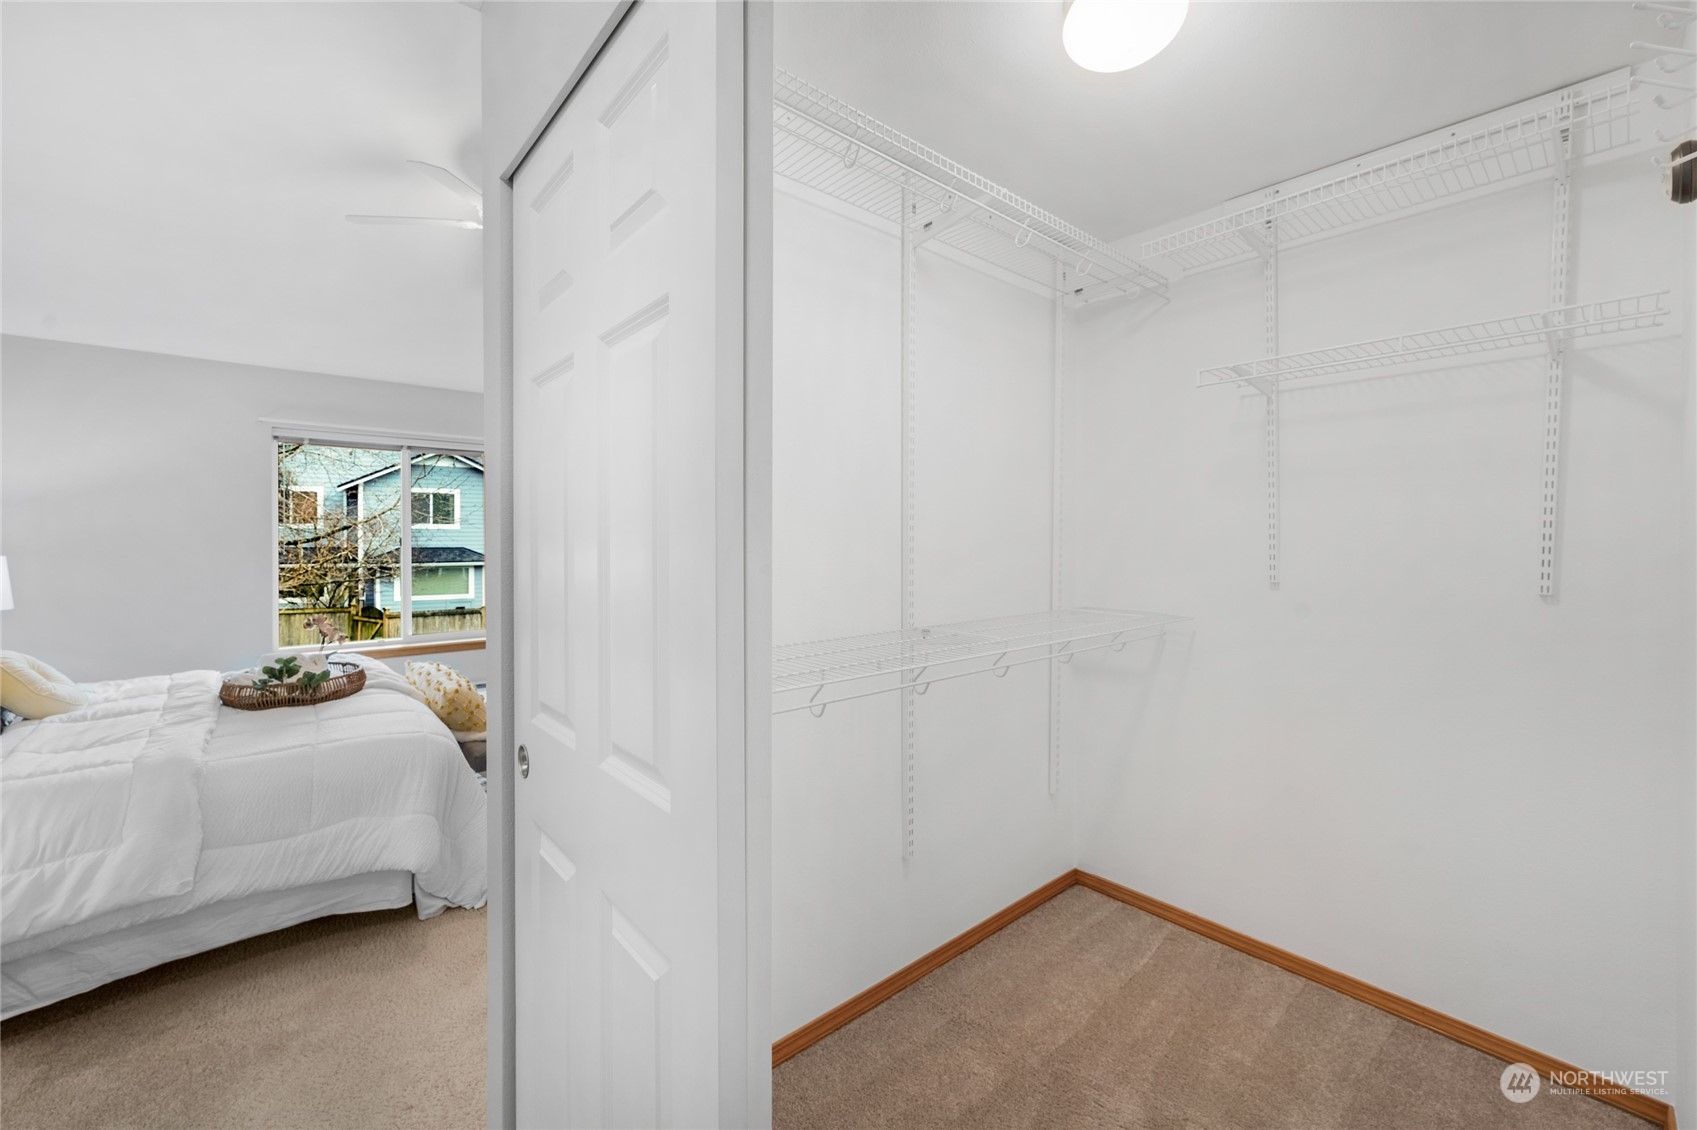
[
  {"x": 1530, "y": 139},
  {"x": 824, "y": 143},
  {"x": 1671, "y": 17},
  {"x": 814, "y": 675}
]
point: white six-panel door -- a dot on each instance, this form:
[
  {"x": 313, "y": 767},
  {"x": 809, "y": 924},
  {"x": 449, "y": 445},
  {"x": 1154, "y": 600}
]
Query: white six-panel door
[{"x": 620, "y": 309}]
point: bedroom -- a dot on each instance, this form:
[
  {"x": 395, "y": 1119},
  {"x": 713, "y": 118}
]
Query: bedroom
[
  {"x": 212, "y": 382},
  {"x": 1024, "y": 582}
]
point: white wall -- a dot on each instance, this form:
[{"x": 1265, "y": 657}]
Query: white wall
[
  {"x": 847, "y": 911},
  {"x": 1404, "y": 764},
  {"x": 135, "y": 499},
  {"x": 531, "y": 49}
]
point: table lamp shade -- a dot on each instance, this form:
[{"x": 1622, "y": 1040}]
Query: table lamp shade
[{"x": 5, "y": 586}]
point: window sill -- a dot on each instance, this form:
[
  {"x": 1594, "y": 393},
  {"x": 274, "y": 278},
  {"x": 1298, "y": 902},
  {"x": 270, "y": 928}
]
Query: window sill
[{"x": 414, "y": 647}]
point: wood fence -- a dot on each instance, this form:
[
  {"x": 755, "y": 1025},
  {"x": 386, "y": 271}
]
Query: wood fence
[{"x": 292, "y": 629}]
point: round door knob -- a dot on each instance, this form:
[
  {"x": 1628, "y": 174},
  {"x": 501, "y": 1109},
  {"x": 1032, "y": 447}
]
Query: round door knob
[{"x": 524, "y": 762}]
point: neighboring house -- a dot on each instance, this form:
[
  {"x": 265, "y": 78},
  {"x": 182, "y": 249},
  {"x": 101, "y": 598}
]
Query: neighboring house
[
  {"x": 446, "y": 515},
  {"x": 447, "y": 530}
]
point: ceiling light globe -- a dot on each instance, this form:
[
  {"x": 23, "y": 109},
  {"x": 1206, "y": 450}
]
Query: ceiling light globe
[{"x": 1117, "y": 35}]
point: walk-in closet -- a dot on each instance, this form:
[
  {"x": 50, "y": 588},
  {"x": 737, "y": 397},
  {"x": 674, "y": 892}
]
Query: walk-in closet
[{"x": 1310, "y": 561}]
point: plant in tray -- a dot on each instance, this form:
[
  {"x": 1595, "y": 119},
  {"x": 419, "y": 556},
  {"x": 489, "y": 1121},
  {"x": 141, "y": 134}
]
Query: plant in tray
[
  {"x": 297, "y": 680},
  {"x": 310, "y": 671},
  {"x": 285, "y": 670}
]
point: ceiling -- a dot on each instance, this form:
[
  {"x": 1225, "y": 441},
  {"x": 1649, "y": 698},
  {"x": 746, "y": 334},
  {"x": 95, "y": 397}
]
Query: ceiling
[
  {"x": 1248, "y": 95},
  {"x": 175, "y": 177}
]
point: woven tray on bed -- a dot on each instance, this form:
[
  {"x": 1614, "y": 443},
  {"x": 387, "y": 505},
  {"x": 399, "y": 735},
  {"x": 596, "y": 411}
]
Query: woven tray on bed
[{"x": 244, "y": 697}]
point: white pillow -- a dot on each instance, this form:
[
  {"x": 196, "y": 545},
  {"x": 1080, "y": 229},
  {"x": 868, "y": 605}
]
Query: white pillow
[
  {"x": 451, "y": 695},
  {"x": 30, "y": 688}
]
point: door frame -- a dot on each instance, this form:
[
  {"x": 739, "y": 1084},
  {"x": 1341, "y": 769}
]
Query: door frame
[{"x": 744, "y": 594}]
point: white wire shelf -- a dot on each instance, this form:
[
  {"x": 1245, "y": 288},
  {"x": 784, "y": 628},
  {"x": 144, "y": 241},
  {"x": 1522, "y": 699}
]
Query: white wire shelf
[
  {"x": 1524, "y": 142},
  {"x": 1615, "y": 315},
  {"x": 824, "y": 143},
  {"x": 812, "y": 675}
]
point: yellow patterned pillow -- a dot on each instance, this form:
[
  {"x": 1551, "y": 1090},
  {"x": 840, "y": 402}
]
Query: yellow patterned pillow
[
  {"x": 451, "y": 695},
  {"x": 30, "y": 688}
]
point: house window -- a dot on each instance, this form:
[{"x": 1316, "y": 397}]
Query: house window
[
  {"x": 348, "y": 547},
  {"x": 297, "y": 506},
  {"x": 438, "y": 582},
  {"x": 435, "y": 507}
]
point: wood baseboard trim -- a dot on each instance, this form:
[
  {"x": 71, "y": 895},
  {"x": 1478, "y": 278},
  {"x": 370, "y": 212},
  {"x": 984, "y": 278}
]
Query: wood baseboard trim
[
  {"x": 1500, "y": 1047},
  {"x": 815, "y": 1030}
]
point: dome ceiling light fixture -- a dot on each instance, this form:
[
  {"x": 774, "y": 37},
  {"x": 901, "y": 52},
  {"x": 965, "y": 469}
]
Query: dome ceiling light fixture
[{"x": 1116, "y": 35}]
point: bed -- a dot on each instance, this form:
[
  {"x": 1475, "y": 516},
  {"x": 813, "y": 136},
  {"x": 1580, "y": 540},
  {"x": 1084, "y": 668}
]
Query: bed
[{"x": 154, "y": 823}]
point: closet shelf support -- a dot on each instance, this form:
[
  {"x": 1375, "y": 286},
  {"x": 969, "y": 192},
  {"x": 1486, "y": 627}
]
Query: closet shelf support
[
  {"x": 829, "y": 146},
  {"x": 1589, "y": 319},
  {"x": 1473, "y": 156},
  {"x": 813, "y": 675}
]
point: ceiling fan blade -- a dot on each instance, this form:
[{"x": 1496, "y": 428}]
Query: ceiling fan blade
[
  {"x": 449, "y": 181},
  {"x": 426, "y": 221}
]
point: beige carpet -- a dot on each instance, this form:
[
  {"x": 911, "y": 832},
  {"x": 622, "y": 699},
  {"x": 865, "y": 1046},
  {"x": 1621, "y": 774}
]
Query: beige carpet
[
  {"x": 1088, "y": 1013},
  {"x": 359, "y": 1021}
]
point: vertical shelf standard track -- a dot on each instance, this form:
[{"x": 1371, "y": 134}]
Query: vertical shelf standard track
[
  {"x": 1269, "y": 249},
  {"x": 1555, "y": 363},
  {"x": 1057, "y": 531},
  {"x": 910, "y": 754}
]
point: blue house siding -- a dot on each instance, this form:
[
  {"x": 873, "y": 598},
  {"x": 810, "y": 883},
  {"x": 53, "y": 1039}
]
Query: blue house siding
[
  {"x": 433, "y": 473},
  {"x": 370, "y": 480}
]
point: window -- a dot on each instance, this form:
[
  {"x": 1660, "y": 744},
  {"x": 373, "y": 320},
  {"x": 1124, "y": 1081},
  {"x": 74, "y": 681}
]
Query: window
[
  {"x": 349, "y": 549},
  {"x": 297, "y": 506},
  {"x": 435, "y": 507},
  {"x": 436, "y": 581}
]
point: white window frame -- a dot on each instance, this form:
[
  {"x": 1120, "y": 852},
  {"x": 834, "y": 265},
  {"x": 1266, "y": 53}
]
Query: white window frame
[
  {"x": 455, "y": 491},
  {"x": 318, "y": 513},
  {"x": 406, "y": 448},
  {"x": 470, "y": 579}
]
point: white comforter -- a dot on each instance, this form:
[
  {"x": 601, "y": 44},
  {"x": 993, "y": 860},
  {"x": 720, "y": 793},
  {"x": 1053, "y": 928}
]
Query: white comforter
[{"x": 154, "y": 800}]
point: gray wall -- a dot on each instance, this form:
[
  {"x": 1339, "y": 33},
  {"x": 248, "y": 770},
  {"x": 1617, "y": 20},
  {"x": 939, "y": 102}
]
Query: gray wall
[{"x": 135, "y": 499}]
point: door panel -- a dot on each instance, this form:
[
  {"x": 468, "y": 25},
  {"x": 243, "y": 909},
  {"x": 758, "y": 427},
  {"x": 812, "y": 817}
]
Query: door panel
[
  {"x": 551, "y": 896},
  {"x": 549, "y": 567},
  {"x": 636, "y": 550},
  {"x": 622, "y": 292},
  {"x": 633, "y": 121},
  {"x": 634, "y": 1009}
]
